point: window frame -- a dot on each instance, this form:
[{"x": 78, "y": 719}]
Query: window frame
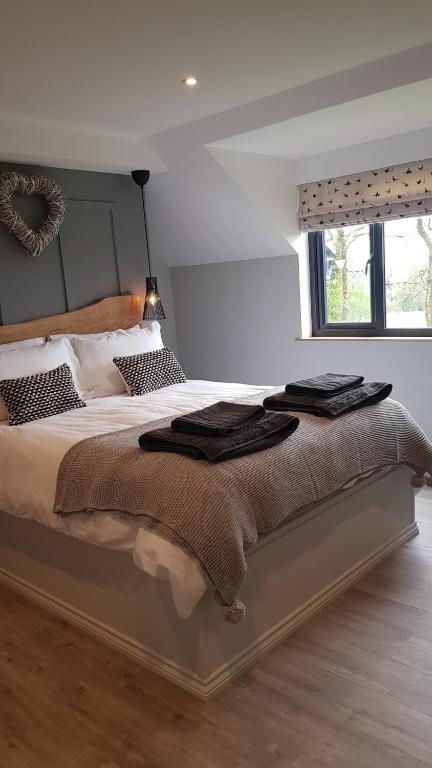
[{"x": 376, "y": 327}]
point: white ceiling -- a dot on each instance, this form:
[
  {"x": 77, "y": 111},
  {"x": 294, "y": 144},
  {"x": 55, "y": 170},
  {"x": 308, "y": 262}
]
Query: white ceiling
[
  {"x": 373, "y": 117},
  {"x": 115, "y": 66}
]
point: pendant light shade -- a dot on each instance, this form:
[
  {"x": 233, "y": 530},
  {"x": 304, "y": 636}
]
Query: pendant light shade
[{"x": 153, "y": 309}]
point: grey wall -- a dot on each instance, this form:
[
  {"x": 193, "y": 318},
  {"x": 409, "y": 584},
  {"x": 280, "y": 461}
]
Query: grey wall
[
  {"x": 238, "y": 321},
  {"x": 100, "y": 250}
]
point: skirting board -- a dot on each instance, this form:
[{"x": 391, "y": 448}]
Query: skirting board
[{"x": 204, "y": 689}]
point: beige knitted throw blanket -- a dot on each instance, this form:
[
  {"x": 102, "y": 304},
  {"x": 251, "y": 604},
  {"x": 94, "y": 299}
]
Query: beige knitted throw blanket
[{"x": 215, "y": 513}]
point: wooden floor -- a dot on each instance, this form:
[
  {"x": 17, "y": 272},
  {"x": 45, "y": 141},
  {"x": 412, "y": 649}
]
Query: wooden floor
[{"x": 352, "y": 688}]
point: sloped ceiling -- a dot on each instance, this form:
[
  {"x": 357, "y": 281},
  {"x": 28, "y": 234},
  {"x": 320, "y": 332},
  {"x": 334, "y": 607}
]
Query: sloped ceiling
[
  {"x": 96, "y": 84},
  {"x": 216, "y": 204},
  {"x": 377, "y": 116},
  {"x": 89, "y": 81}
]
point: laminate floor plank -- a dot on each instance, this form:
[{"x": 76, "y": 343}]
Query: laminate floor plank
[{"x": 350, "y": 689}]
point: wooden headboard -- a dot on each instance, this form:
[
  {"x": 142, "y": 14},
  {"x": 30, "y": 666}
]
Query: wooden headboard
[{"x": 105, "y": 315}]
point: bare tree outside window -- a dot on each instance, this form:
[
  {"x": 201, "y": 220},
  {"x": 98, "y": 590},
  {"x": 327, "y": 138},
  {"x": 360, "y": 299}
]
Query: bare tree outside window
[
  {"x": 347, "y": 280},
  {"x": 404, "y": 253},
  {"x": 408, "y": 272}
]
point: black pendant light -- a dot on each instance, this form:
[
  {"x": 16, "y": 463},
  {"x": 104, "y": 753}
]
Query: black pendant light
[{"x": 153, "y": 309}]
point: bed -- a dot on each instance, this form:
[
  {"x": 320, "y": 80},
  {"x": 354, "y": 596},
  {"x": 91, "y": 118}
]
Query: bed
[{"x": 141, "y": 593}]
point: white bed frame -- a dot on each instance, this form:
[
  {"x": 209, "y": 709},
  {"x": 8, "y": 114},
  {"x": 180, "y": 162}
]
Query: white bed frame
[{"x": 292, "y": 573}]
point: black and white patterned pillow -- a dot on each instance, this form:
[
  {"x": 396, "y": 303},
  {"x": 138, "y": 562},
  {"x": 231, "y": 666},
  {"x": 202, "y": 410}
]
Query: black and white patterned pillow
[
  {"x": 150, "y": 370},
  {"x": 43, "y": 394}
]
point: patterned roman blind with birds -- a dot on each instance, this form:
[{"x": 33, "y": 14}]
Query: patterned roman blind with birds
[{"x": 367, "y": 197}]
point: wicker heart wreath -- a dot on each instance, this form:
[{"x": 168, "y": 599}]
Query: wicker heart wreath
[{"x": 34, "y": 242}]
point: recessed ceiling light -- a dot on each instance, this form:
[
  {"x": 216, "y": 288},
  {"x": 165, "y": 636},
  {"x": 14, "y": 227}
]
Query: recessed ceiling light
[{"x": 190, "y": 81}]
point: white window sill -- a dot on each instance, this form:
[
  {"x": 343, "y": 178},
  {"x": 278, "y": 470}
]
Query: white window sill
[{"x": 363, "y": 338}]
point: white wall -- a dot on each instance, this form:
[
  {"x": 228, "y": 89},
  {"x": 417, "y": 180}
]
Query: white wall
[
  {"x": 415, "y": 145},
  {"x": 203, "y": 212},
  {"x": 239, "y": 321},
  {"x": 270, "y": 184},
  {"x": 199, "y": 214},
  {"x": 62, "y": 146},
  {"x": 225, "y": 221}
]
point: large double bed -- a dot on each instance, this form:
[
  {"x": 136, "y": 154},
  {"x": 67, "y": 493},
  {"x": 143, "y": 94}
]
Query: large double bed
[{"x": 139, "y": 591}]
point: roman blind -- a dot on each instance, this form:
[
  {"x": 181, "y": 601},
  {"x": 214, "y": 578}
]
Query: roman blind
[{"x": 366, "y": 197}]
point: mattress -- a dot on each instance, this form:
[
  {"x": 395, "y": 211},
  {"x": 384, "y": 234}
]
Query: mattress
[{"x": 30, "y": 456}]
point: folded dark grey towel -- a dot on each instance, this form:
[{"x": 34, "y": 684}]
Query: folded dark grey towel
[
  {"x": 363, "y": 395},
  {"x": 326, "y": 385},
  {"x": 271, "y": 429},
  {"x": 219, "y": 419}
]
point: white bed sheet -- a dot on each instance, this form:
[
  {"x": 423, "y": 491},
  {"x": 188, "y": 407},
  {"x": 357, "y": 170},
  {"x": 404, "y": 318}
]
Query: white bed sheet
[{"x": 30, "y": 456}]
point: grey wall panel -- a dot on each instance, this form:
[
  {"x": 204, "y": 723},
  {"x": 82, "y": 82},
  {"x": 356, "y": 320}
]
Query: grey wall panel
[
  {"x": 29, "y": 287},
  {"x": 100, "y": 251},
  {"x": 89, "y": 250}
]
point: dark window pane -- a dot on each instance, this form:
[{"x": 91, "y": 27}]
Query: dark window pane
[{"x": 347, "y": 279}]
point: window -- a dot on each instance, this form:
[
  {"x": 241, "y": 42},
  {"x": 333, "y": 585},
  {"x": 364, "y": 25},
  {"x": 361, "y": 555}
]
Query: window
[{"x": 372, "y": 280}]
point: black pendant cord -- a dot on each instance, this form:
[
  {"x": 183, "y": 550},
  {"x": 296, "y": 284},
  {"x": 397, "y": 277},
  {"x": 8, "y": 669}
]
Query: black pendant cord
[{"x": 145, "y": 227}]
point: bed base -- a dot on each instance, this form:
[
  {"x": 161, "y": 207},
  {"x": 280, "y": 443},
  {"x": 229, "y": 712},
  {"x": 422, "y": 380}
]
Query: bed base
[{"x": 292, "y": 573}]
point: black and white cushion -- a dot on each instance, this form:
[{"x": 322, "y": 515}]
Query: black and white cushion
[
  {"x": 43, "y": 394},
  {"x": 149, "y": 371}
]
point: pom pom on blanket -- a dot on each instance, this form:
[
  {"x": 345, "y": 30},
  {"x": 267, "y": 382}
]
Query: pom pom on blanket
[
  {"x": 418, "y": 481},
  {"x": 234, "y": 613}
]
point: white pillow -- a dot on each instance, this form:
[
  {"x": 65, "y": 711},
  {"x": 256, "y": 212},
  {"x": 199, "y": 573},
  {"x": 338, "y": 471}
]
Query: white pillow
[
  {"x": 100, "y": 376},
  {"x": 151, "y": 325},
  {"x": 153, "y": 328},
  {"x": 22, "y": 344},
  {"x": 27, "y": 361}
]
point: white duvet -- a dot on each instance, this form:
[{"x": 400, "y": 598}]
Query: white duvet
[{"x": 30, "y": 456}]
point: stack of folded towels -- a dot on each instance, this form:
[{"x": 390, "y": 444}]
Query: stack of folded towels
[
  {"x": 220, "y": 432},
  {"x": 331, "y": 395},
  {"x": 229, "y": 430}
]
